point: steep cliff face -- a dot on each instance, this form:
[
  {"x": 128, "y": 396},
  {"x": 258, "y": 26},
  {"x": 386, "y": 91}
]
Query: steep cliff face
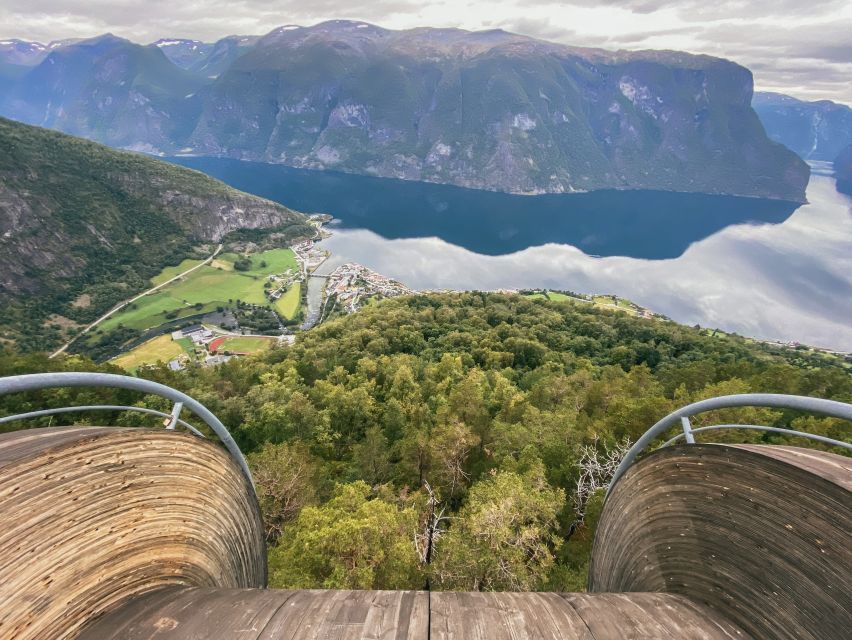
[
  {"x": 843, "y": 170},
  {"x": 493, "y": 111},
  {"x": 108, "y": 89},
  {"x": 814, "y": 130},
  {"x": 77, "y": 217},
  {"x": 489, "y": 110}
]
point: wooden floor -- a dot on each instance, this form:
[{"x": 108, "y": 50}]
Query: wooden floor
[{"x": 258, "y": 614}]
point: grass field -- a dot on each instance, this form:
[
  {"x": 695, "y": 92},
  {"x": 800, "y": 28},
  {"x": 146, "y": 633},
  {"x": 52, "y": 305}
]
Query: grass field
[
  {"x": 558, "y": 297},
  {"x": 159, "y": 349},
  {"x": 170, "y": 272},
  {"x": 607, "y": 300},
  {"x": 246, "y": 344},
  {"x": 288, "y": 304},
  {"x": 208, "y": 285}
]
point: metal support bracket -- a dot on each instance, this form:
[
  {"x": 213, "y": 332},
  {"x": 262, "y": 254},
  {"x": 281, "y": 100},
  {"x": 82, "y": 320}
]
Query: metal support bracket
[
  {"x": 687, "y": 430},
  {"x": 172, "y": 421}
]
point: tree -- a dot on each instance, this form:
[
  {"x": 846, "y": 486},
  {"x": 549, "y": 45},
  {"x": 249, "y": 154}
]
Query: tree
[
  {"x": 350, "y": 542},
  {"x": 371, "y": 456},
  {"x": 450, "y": 446},
  {"x": 504, "y": 538},
  {"x": 284, "y": 482}
]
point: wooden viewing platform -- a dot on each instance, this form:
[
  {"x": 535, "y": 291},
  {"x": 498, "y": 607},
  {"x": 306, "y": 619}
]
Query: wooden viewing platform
[{"x": 117, "y": 533}]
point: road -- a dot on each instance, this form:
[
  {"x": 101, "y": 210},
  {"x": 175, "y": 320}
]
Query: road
[{"x": 121, "y": 305}]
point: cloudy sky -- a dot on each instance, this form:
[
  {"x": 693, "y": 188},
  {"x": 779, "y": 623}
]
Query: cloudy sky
[{"x": 801, "y": 47}]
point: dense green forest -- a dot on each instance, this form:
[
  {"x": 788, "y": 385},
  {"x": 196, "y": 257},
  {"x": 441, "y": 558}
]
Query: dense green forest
[{"x": 439, "y": 440}]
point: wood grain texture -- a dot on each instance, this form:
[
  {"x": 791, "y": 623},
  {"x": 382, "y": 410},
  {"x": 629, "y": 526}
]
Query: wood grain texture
[
  {"x": 499, "y": 616},
  {"x": 92, "y": 517},
  {"x": 758, "y": 534},
  {"x": 257, "y": 614},
  {"x": 579, "y": 616}
]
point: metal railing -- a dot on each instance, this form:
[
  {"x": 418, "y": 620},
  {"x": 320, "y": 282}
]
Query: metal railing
[
  {"x": 830, "y": 408},
  {"x": 39, "y": 381}
]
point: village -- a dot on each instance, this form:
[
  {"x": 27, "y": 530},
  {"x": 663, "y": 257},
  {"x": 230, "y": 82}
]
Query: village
[
  {"x": 212, "y": 341},
  {"x": 350, "y": 284}
]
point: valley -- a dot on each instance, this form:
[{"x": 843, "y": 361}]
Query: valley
[{"x": 341, "y": 329}]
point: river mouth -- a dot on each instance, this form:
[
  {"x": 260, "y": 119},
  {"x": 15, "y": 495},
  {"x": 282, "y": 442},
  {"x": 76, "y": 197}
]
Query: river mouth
[{"x": 762, "y": 268}]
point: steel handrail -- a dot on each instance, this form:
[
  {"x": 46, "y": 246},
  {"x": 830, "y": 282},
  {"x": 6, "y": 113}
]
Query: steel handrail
[
  {"x": 755, "y": 427},
  {"x": 65, "y": 379},
  {"x": 829, "y": 408},
  {"x": 97, "y": 407}
]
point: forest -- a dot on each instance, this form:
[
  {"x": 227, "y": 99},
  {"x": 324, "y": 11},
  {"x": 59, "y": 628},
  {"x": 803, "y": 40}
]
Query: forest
[{"x": 457, "y": 441}]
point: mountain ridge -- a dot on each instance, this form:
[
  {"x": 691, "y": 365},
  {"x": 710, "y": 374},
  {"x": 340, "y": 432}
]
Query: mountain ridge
[
  {"x": 814, "y": 130},
  {"x": 488, "y": 110}
]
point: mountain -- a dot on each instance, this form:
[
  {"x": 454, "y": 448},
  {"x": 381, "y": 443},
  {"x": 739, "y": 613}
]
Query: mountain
[
  {"x": 22, "y": 52},
  {"x": 843, "y": 170},
  {"x": 184, "y": 53},
  {"x": 488, "y": 110},
  {"x": 16, "y": 58},
  {"x": 222, "y": 53},
  {"x": 108, "y": 89},
  {"x": 814, "y": 130},
  {"x": 83, "y": 222}
]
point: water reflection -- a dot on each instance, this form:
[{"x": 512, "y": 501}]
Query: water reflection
[
  {"x": 790, "y": 281},
  {"x": 786, "y": 274},
  {"x": 639, "y": 224}
]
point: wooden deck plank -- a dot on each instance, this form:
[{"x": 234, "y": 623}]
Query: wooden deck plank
[
  {"x": 258, "y": 614},
  {"x": 638, "y": 616},
  {"x": 504, "y": 616}
]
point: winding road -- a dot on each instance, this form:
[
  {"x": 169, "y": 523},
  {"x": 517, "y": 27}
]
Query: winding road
[{"x": 121, "y": 305}]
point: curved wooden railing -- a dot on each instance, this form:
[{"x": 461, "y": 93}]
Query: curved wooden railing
[
  {"x": 820, "y": 406},
  {"x": 40, "y": 381}
]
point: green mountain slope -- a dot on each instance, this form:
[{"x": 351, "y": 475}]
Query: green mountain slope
[{"x": 82, "y": 226}]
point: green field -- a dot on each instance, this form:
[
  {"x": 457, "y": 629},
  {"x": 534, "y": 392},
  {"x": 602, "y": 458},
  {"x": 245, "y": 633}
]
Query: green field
[
  {"x": 170, "y": 272},
  {"x": 558, "y": 297},
  {"x": 288, "y": 304},
  {"x": 209, "y": 286},
  {"x": 246, "y": 344},
  {"x": 159, "y": 349}
]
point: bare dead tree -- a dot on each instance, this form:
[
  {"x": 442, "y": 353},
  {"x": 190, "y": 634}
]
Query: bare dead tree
[
  {"x": 597, "y": 465},
  {"x": 432, "y": 530}
]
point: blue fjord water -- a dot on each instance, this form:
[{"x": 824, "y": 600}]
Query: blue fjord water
[{"x": 763, "y": 268}]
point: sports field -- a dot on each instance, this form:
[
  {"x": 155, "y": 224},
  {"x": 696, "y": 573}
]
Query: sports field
[
  {"x": 243, "y": 344},
  {"x": 159, "y": 349}
]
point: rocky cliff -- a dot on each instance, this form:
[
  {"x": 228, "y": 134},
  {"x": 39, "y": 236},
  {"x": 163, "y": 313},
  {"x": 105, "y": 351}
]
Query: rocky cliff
[
  {"x": 843, "y": 170},
  {"x": 489, "y": 110},
  {"x": 814, "y": 130}
]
